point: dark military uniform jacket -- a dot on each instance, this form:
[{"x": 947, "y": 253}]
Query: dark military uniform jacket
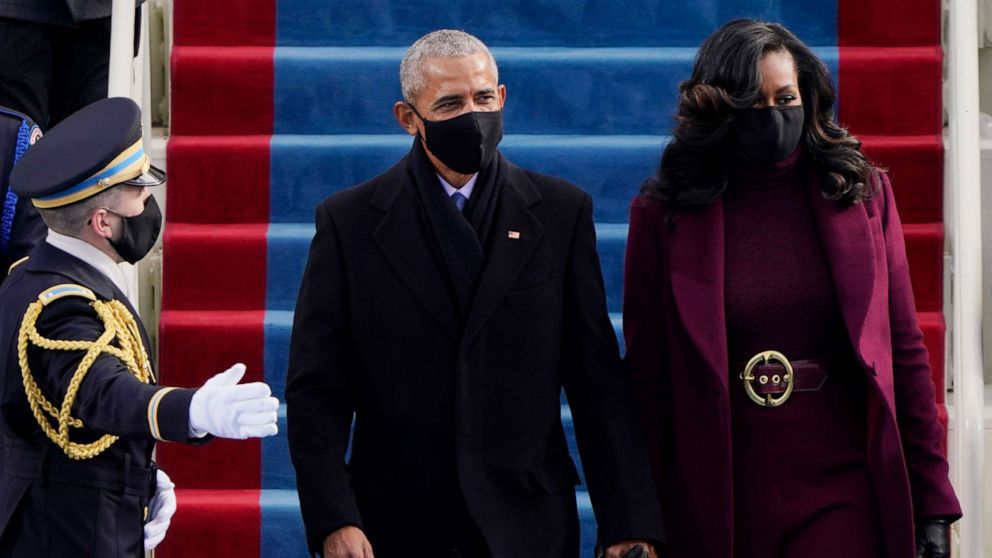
[
  {"x": 51, "y": 505},
  {"x": 56, "y": 12}
]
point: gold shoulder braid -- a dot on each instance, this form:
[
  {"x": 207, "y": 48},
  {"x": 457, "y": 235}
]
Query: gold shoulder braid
[{"x": 119, "y": 326}]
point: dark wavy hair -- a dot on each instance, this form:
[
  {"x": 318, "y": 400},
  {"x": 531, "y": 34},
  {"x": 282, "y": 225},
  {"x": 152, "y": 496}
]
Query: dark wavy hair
[{"x": 725, "y": 80}]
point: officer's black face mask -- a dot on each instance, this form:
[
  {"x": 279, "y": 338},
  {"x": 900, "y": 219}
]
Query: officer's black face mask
[
  {"x": 465, "y": 143},
  {"x": 768, "y": 135},
  {"x": 139, "y": 233}
]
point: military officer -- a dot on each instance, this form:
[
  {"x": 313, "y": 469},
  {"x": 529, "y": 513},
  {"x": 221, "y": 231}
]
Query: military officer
[{"x": 80, "y": 404}]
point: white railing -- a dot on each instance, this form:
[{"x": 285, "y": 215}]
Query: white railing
[
  {"x": 129, "y": 77},
  {"x": 964, "y": 228}
]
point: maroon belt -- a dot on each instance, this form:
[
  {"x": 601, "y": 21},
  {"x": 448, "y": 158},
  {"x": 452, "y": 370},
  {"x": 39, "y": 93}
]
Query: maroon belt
[
  {"x": 810, "y": 376},
  {"x": 767, "y": 380}
]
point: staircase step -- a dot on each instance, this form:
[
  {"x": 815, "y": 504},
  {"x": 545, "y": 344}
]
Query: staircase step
[
  {"x": 925, "y": 250},
  {"x": 211, "y": 523},
  {"x": 584, "y": 23},
  {"x": 888, "y": 23},
  {"x": 300, "y": 170},
  {"x": 549, "y": 23},
  {"x": 916, "y": 168},
  {"x": 202, "y": 82},
  {"x": 195, "y": 252},
  {"x": 891, "y": 91},
  {"x": 193, "y": 346},
  {"x": 195, "y": 467},
  {"x": 268, "y": 524},
  {"x": 306, "y": 169},
  {"x": 351, "y": 90},
  {"x": 218, "y": 267}
]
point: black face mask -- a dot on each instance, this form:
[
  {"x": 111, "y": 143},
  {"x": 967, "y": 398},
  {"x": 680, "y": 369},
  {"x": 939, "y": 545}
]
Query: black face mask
[
  {"x": 768, "y": 135},
  {"x": 139, "y": 232},
  {"x": 465, "y": 143}
]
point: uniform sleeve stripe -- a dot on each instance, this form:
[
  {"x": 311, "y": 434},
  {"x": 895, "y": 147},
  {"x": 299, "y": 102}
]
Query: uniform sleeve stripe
[{"x": 153, "y": 405}]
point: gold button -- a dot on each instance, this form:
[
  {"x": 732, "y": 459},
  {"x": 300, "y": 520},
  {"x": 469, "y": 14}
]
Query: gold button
[
  {"x": 763, "y": 380},
  {"x": 776, "y": 379}
]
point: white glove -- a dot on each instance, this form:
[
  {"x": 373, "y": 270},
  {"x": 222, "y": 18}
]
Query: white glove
[
  {"x": 228, "y": 410},
  {"x": 160, "y": 510}
]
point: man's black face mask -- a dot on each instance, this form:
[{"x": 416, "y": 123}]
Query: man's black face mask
[
  {"x": 139, "y": 232},
  {"x": 768, "y": 135},
  {"x": 465, "y": 143}
]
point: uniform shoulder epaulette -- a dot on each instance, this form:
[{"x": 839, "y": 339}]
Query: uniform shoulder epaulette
[
  {"x": 17, "y": 263},
  {"x": 52, "y": 294}
]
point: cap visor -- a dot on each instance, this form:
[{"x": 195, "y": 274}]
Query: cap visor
[{"x": 154, "y": 177}]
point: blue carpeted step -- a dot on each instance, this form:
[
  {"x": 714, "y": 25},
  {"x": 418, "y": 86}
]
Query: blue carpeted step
[
  {"x": 288, "y": 246},
  {"x": 307, "y": 168},
  {"x": 547, "y": 23},
  {"x": 551, "y": 90},
  {"x": 282, "y": 525},
  {"x": 349, "y": 90}
]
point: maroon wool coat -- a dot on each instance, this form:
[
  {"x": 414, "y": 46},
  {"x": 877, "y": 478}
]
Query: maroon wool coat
[{"x": 675, "y": 329}]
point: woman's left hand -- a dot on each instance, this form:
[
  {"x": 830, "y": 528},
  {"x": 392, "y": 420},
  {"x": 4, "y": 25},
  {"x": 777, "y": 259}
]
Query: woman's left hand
[{"x": 933, "y": 538}]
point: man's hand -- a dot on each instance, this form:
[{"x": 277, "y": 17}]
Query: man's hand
[
  {"x": 631, "y": 549},
  {"x": 160, "y": 510},
  {"x": 347, "y": 542},
  {"x": 226, "y": 409}
]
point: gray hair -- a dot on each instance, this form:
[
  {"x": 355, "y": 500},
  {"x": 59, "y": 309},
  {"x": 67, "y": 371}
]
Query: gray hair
[
  {"x": 71, "y": 219},
  {"x": 443, "y": 43}
]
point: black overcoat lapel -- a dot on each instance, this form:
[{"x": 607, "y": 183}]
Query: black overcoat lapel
[
  {"x": 405, "y": 241},
  {"x": 516, "y": 232}
]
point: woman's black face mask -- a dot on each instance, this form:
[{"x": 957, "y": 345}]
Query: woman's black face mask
[{"x": 768, "y": 135}]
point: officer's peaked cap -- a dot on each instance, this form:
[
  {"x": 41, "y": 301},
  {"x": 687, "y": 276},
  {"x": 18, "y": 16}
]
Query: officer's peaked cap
[{"x": 94, "y": 149}]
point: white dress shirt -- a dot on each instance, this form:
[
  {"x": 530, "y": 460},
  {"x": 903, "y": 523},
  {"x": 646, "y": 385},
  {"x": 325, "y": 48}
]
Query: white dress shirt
[
  {"x": 465, "y": 190},
  {"x": 93, "y": 256}
]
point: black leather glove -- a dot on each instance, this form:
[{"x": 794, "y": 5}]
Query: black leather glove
[{"x": 933, "y": 538}]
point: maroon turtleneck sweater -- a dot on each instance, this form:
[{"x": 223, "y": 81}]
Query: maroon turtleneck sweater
[
  {"x": 780, "y": 295},
  {"x": 779, "y": 290}
]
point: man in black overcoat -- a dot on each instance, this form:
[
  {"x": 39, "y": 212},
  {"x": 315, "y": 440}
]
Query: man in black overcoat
[{"x": 444, "y": 306}]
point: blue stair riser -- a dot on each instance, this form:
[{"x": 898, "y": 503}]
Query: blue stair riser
[
  {"x": 306, "y": 169},
  {"x": 288, "y": 247},
  {"x": 351, "y": 90},
  {"x": 282, "y": 530},
  {"x": 283, "y": 536},
  {"x": 547, "y": 23}
]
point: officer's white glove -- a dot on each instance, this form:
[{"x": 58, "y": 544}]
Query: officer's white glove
[
  {"x": 228, "y": 410},
  {"x": 160, "y": 510}
]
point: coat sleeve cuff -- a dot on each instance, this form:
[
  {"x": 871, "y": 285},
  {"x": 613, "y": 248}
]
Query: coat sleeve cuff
[{"x": 168, "y": 414}]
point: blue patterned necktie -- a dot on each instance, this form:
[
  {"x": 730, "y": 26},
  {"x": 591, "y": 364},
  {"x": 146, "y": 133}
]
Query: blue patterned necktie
[{"x": 459, "y": 200}]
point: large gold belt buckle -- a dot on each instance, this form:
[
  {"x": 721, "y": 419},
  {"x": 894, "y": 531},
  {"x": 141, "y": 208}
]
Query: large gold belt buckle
[{"x": 748, "y": 377}]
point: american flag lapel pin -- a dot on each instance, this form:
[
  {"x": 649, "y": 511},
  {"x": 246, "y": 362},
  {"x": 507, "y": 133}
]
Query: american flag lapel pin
[{"x": 513, "y": 235}]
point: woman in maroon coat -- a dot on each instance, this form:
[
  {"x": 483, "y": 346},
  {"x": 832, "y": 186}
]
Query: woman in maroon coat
[{"x": 771, "y": 331}]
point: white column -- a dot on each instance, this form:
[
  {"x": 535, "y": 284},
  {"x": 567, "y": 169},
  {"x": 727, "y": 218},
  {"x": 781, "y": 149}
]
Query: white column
[
  {"x": 963, "y": 225},
  {"x": 120, "y": 84},
  {"x": 121, "y": 49}
]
